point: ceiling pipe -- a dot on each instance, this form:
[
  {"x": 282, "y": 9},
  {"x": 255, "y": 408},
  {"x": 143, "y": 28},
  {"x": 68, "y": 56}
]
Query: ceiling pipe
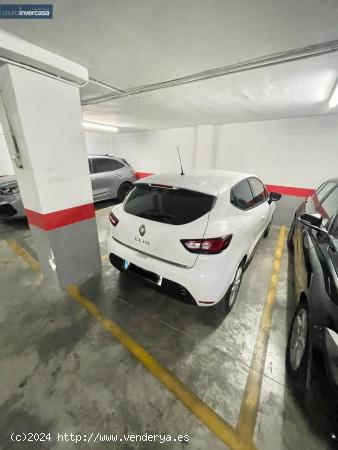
[
  {"x": 45, "y": 73},
  {"x": 265, "y": 61},
  {"x": 252, "y": 64},
  {"x": 105, "y": 85}
]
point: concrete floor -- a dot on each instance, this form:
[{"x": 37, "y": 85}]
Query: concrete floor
[
  {"x": 62, "y": 373},
  {"x": 285, "y": 210}
]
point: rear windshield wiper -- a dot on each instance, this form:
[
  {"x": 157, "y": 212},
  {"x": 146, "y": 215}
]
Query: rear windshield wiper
[{"x": 160, "y": 216}]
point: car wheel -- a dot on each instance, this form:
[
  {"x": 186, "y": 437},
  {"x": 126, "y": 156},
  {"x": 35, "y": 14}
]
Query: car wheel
[
  {"x": 297, "y": 351},
  {"x": 123, "y": 191},
  {"x": 267, "y": 229},
  {"x": 290, "y": 234},
  {"x": 225, "y": 305}
]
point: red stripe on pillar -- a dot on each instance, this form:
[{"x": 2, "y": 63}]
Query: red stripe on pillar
[
  {"x": 289, "y": 190},
  {"x": 58, "y": 219}
]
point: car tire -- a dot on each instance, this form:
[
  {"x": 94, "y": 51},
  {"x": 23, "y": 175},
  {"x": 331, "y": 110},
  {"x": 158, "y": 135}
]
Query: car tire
[
  {"x": 123, "y": 191},
  {"x": 291, "y": 234},
  {"x": 225, "y": 305},
  {"x": 267, "y": 229},
  {"x": 298, "y": 348}
]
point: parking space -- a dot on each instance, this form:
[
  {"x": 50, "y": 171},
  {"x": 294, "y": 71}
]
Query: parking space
[
  {"x": 169, "y": 225},
  {"x": 54, "y": 351}
]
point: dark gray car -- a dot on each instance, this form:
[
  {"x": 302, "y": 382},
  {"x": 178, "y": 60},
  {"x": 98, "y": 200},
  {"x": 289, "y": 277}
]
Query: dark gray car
[{"x": 110, "y": 177}]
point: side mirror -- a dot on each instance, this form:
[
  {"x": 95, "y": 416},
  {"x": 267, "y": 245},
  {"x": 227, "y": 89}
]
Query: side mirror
[
  {"x": 314, "y": 221},
  {"x": 274, "y": 197}
]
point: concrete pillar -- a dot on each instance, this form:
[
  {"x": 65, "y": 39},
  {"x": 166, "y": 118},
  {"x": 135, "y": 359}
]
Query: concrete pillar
[
  {"x": 6, "y": 166},
  {"x": 206, "y": 146},
  {"x": 42, "y": 122}
]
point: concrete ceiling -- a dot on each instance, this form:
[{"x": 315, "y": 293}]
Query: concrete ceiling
[
  {"x": 290, "y": 90},
  {"x": 128, "y": 43}
]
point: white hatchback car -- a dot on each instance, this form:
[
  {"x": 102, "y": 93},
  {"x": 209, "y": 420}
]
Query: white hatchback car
[{"x": 191, "y": 235}]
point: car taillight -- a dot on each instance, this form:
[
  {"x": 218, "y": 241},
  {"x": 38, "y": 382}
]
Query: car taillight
[
  {"x": 113, "y": 219},
  {"x": 207, "y": 246}
]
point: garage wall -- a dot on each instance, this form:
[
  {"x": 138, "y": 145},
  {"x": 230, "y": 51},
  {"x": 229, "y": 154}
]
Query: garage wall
[
  {"x": 292, "y": 153},
  {"x": 98, "y": 143},
  {"x": 148, "y": 151},
  {"x": 300, "y": 152},
  {"x": 154, "y": 151},
  {"x": 6, "y": 167}
]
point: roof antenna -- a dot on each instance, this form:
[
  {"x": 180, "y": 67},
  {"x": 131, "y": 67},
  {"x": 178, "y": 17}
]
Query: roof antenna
[{"x": 179, "y": 157}]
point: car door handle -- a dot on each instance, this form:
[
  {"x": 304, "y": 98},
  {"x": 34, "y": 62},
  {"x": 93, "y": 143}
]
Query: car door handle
[{"x": 263, "y": 218}]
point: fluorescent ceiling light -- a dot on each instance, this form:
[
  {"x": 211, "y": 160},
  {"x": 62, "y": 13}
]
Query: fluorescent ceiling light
[
  {"x": 99, "y": 127},
  {"x": 333, "y": 102}
]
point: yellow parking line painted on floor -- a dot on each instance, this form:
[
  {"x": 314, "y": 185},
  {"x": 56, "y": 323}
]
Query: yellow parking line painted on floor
[
  {"x": 207, "y": 416},
  {"x": 249, "y": 407},
  {"x": 224, "y": 431},
  {"x": 24, "y": 254}
]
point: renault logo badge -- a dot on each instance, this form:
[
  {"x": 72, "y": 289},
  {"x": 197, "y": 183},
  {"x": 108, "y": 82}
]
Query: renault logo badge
[{"x": 142, "y": 230}]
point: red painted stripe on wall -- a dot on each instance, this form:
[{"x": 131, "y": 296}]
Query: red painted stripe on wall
[
  {"x": 289, "y": 190},
  {"x": 143, "y": 174},
  {"x": 284, "y": 190},
  {"x": 58, "y": 219}
]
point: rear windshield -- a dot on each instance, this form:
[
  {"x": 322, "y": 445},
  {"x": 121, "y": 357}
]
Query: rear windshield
[{"x": 174, "y": 206}]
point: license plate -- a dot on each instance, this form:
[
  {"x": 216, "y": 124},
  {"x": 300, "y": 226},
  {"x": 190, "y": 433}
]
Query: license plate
[{"x": 126, "y": 264}]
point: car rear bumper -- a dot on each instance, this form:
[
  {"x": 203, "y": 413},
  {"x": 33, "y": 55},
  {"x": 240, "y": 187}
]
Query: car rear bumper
[
  {"x": 207, "y": 281},
  {"x": 166, "y": 286}
]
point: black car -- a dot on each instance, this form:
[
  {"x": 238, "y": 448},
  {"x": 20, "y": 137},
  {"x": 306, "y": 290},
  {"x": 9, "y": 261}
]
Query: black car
[{"x": 314, "y": 238}]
